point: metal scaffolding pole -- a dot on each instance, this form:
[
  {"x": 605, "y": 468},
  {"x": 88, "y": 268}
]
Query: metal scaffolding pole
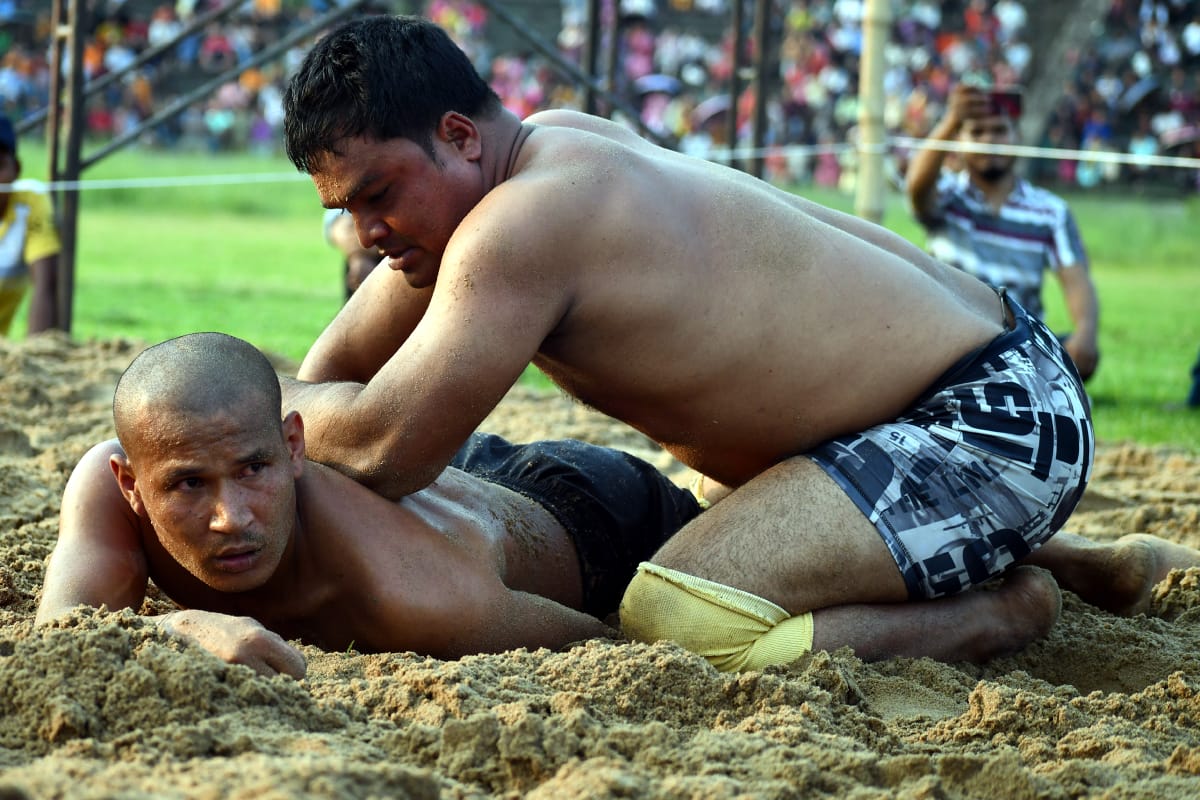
[{"x": 591, "y": 54}]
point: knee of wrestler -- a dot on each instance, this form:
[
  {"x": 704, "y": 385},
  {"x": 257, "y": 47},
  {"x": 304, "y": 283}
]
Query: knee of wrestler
[{"x": 732, "y": 629}]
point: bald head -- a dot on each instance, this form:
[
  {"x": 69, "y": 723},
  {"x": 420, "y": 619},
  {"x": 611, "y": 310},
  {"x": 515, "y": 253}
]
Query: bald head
[{"x": 196, "y": 375}]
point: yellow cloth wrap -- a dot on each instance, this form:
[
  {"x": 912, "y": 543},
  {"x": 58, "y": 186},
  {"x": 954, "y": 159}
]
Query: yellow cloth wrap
[{"x": 734, "y": 630}]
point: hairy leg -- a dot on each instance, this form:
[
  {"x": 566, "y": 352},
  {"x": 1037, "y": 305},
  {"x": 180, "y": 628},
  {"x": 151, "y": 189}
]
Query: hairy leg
[
  {"x": 793, "y": 537},
  {"x": 1119, "y": 576},
  {"x": 977, "y": 625}
]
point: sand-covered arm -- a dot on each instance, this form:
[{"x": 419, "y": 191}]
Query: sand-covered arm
[
  {"x": 236, "y": 640},
  {"x": 474, "y": 612}
]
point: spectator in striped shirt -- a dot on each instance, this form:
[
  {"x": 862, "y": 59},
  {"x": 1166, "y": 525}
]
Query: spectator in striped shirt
[{"x": 997, "y": 226}]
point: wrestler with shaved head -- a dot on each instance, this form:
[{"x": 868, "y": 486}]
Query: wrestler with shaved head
[{"x": 207, "y": 492}]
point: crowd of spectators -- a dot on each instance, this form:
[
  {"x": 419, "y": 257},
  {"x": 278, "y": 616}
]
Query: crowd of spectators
[{"x": 1132, "y": 88}]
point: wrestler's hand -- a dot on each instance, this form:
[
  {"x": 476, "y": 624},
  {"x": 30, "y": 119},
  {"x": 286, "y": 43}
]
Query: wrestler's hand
[{"x": 237, "y": 640}]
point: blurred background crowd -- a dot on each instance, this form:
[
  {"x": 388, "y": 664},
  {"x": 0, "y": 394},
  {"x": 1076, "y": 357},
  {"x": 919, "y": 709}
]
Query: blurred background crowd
[{"x": 1126, "y": 82}]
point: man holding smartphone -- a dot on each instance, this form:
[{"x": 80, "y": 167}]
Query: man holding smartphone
[{"x": 997, "y": 226}]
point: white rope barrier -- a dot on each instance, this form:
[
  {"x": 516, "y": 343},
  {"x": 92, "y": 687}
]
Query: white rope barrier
[
  {"x": 164, "y": 182},
  {"x": 913, "y": 144},
  {"x": 715, "y": 153}
]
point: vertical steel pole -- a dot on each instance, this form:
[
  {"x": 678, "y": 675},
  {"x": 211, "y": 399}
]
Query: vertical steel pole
[
  {"x": 612, "y": 61},
  {"x": 69, "y": 224}
]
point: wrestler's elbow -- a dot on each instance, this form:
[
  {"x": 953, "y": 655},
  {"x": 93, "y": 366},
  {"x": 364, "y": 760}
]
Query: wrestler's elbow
[
  {"x": 395, "y": 482},
  {"x": 391, "y": 467},
  {"x": 48, "y": 613}
]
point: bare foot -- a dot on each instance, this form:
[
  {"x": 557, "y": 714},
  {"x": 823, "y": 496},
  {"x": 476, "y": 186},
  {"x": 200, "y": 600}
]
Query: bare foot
[
  {"x": 976, "y": 625},
  {"x": 1028, "y": 604},
  {"x": 1140, "y": 562}
]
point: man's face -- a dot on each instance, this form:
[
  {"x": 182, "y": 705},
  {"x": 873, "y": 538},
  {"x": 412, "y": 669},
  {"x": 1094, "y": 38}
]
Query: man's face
[
  {"x": 220, "y": 491},
  {"x": 405, "y": 204},
  {"x": 989, "y": 130}
]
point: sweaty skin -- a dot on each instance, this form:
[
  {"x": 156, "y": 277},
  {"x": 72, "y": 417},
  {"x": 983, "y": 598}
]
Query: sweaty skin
[
  {"x": 462, "y": 567},
  {"x": 733, "y": 323},
  {"x": 730, "y": 321}
]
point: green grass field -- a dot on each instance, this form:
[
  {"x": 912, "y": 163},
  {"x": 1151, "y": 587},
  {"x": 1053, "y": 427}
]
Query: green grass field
[{"x": 249, "y": 259}]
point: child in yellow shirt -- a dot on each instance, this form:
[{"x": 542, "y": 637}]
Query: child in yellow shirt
[{"x": 29, "y": 243}]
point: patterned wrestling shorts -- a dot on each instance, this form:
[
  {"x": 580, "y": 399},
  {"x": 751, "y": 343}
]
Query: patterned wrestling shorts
[{"x": 981, "y": 470}]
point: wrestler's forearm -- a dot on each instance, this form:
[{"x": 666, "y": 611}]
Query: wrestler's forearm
[
  {"x": 1082, "y": 304},
  {"x": 235, "y": 640},
  {"x": 530, "y": 621},
  {"x": 353, "y": 440}
]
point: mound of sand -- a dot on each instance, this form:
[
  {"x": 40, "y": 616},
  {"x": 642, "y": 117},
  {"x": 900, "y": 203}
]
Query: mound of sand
[{"x": 107, "y": 706}]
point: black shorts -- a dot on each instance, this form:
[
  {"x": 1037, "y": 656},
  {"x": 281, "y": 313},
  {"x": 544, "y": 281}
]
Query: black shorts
[{"x": 616, "y": 508}]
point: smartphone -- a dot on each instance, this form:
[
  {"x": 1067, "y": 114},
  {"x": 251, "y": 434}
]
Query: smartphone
[{"x": 1005, "y": 102}]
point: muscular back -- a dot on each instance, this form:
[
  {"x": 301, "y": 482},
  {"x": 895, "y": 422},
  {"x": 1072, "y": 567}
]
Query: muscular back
[{"x": 731, "y": 321}]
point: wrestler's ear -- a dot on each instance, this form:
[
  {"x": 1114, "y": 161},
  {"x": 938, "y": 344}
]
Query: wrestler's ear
[
  {"x": 293, "y": 437},
  {"x": 461, "y": 132},
  {"x": 127, "y": 481}
]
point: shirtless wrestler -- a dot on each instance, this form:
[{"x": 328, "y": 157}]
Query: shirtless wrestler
[
  {"x": 893, "y": 431},
  {"x": 513, "y": 546}
]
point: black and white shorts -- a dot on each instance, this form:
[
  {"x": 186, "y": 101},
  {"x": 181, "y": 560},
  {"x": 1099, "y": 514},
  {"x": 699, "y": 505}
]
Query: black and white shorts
[{"x": 981, "y": 470}]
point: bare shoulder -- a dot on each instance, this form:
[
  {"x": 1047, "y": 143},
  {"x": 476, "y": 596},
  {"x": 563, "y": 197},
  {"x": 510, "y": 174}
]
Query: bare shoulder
[
  {"x": 99, "y": 558},
  {"x": 92, "y": 488},
  {"x": 589, "y": 123},
  {"x": 569, "y": 165},
  {"x": 533, "y": 225}
]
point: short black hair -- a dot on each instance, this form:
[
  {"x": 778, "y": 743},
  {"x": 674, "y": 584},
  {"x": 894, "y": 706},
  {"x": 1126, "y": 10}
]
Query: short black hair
[{"x": 383, "y": 76}]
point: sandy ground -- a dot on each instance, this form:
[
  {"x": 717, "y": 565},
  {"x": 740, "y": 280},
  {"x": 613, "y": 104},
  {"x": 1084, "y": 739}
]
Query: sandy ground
[{"x": 107, "y": 707}]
